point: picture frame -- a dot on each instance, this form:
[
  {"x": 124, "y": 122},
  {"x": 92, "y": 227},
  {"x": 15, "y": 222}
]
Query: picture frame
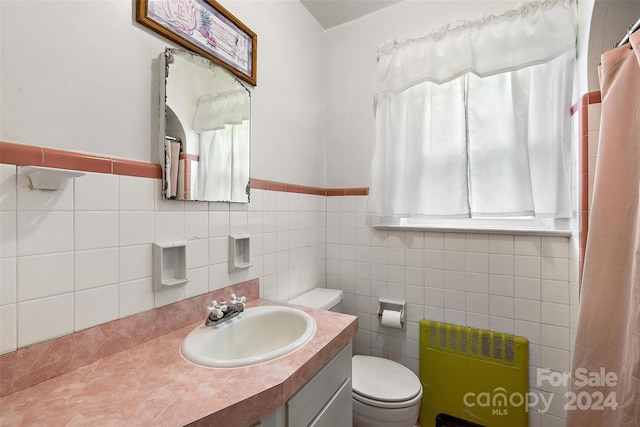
[{"x": 207, "y": 28}]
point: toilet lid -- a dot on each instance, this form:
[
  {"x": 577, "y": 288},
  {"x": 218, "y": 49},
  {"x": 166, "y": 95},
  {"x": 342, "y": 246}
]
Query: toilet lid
[{"x": 383, "y": 380}]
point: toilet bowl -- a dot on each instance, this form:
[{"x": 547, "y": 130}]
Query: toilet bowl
[{"x": 384, "y": 393}]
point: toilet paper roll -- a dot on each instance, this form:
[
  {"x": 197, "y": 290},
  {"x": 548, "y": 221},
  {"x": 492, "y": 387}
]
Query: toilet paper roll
[{"x": 391, "y": 319}]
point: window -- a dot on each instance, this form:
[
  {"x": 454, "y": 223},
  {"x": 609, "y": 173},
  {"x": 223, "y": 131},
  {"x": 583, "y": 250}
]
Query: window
[{"x": 470, "y": 124}]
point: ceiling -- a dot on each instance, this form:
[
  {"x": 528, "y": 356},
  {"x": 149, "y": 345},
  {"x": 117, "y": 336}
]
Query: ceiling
[{"x": 330, "y": 13}]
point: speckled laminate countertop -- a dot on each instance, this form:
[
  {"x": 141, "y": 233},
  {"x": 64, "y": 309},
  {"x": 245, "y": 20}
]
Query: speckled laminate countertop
[{"x": 151, "y": 384}]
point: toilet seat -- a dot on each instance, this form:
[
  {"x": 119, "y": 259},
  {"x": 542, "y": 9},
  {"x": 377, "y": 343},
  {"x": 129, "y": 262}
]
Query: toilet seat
[
  {"x": 398, "y": 387},
  {"x": 386, "y": 405}
]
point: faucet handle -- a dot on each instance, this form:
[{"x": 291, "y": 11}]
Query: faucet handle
[
  {"x": 217, "y": 310},
  {"x": 236, "y": 300},
  {"x": 222, "y": 306}
]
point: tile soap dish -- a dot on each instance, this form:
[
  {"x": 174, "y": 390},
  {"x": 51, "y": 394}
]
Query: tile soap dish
[
  {"x": 239, "y": 252},
  {"x": 169, "y": 265},
  {"x": 51, "y": 179}
]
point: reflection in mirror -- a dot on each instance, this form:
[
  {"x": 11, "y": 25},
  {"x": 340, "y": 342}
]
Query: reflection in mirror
[{"x": 206, "y": 130}]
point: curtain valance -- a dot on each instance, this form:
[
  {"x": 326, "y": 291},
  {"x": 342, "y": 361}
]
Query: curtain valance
[
  {"x": 218, "y": 110},
  {"x": 534, "y": 33}
]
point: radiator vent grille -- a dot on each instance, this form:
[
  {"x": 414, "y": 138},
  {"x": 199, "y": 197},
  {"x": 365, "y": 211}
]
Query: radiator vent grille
[
  {"x": 464, "y": 343},
  {"x": 453, "y": 339},
  {"x": 497, "y": 347},
  {"x": 510, "y": 349},
  {"x": 433, "y": 337},
  {"x": 472, "y": 341},
  {"x": 486, "y": 345},
  {"x": 457, "y": 360}
]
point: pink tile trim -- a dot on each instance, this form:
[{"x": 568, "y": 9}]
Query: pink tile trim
[
  {"x": 259, "y": 184},
  {"x": 263, "y": 184},
  {"x": 276, "y": 186},
  {"x": 60, "y": 159},
  {"x": 139, "y": 169},
  {"x": 587, "y": 99},
  {"x": 595, "y": 97},
  {"x": 22, "y": 154},
  {"x": 583, "y": 155},
  {"x": 31, "y": 365},
  {"x": 575, "y": 107},
  {"x": 193, "y": 157},
  {"x": 18, "y": 154},
  {"x": 584, "y": 121},
  {"x": 347, "y": 191}
]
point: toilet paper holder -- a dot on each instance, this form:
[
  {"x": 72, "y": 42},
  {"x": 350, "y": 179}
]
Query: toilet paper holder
[{"x": 392, "y": 305}]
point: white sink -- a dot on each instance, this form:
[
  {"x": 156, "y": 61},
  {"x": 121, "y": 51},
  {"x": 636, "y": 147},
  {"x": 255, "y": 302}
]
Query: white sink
[{"x": 257, "y": 335}]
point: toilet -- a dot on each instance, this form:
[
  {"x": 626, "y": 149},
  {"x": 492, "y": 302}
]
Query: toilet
[{"x": 384, "y": 393}]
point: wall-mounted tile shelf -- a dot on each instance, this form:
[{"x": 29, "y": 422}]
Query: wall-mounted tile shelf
[
  {"x": 169, "y": 265},
  {"x": 239, "y": 253},
  {"x": 48, "y": 178}
]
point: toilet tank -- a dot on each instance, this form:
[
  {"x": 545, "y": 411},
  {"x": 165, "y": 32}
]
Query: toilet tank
[{"x": 321, "y": 299}]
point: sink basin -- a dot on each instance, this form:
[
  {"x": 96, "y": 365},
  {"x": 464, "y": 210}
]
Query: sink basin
[{"x": 258, "y": 334}]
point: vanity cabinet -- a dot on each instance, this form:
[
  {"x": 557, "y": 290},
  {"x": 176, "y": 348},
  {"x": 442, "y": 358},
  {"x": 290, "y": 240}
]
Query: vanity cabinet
[{"x": 324, "y": 401}]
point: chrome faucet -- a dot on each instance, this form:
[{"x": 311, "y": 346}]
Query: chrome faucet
[{"x": 220, "y": 313}]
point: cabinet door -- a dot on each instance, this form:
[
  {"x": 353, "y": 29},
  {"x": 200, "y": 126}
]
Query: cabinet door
[
  {"x": 339, "y": 411},
  {"x": 310, "y": 400}
]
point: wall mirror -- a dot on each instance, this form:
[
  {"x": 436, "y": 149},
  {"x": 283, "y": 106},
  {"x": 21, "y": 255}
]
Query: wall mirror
[{"x": 205, "y": 143}]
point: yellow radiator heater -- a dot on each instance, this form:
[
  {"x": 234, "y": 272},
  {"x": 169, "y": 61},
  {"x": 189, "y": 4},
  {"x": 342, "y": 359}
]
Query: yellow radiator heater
[{"x": 472, "y": 377}]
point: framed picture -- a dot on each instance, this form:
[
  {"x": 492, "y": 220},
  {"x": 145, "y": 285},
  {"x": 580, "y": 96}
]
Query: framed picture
[{"x": 205, "y": 27}]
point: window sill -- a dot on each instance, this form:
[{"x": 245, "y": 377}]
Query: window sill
[{"x": 471, "y": 229}]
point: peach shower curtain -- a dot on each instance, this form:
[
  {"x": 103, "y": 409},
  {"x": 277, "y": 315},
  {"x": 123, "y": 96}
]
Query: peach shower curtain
[{"x": 608, "y": 334}]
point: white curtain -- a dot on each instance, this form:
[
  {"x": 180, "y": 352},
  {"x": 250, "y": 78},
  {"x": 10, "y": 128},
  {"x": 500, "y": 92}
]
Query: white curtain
[
  {"x": 474, "y": 120},
  {"x": 222, "y": 120}
]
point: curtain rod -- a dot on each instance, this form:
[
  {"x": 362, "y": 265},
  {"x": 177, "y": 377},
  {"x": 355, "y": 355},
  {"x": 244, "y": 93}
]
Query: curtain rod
[{"x": 632, "y": 29}]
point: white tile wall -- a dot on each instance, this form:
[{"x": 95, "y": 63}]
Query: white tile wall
[
  {"x": 41, "y": 276},
  {"x": 32, "y": 225},
  {"x": 96, "y": 192},
  {"x": 94, "y": 268},
  {"x": 8, "y": 327},
  {"x": 509, "y": 283},
  {"x": 135, "y": 296},
  {"x": 58, "y": 312},
  {"x": 82, "y": 256},
  {"x": 95, "y": 306},
  {"x": 85, "y": 260}
]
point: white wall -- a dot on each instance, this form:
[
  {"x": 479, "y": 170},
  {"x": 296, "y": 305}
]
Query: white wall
[
  {"x": 79, "y": 76},
  {"x": 350, "y": 66},
  {"x": 287, "y": 141},
  {"x": 84, "y": 76}
]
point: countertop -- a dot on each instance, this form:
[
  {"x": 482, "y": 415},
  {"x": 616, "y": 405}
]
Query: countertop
[{"x": 151, "y": 384}]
